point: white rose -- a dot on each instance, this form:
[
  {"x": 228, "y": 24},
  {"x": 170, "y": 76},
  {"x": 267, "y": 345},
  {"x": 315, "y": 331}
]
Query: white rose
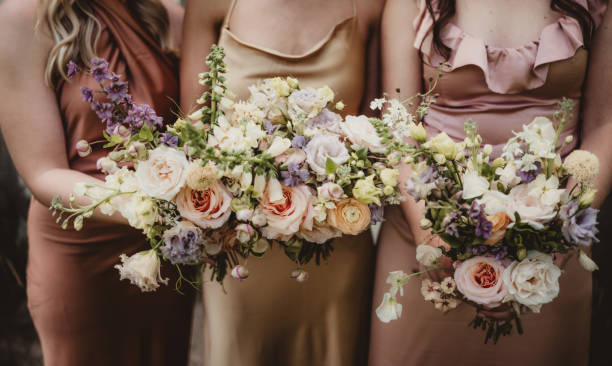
[
  {"x": 427, "y": 255},
  {"x": 163, "y": 174},
  {"x": 474, "y": 185},
  {"x": 362, "y": 133},
  {"x": 533, "y": 281},
  {"x": 322, "y": 147}
]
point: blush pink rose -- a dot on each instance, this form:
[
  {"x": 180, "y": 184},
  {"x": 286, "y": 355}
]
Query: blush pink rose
[
  {"x": 479, "y": 279},
  {"x": 286, "y": 216},
  {"x": 208, "y": 209}
]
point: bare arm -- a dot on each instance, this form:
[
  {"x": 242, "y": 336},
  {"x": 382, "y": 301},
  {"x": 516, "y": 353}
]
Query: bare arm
[
  {"x": 597, "y": 121},
  {"x": 203, "y": 19},
  {"x": 401, "y": 79},
  {"x": 29, "y": 116}
]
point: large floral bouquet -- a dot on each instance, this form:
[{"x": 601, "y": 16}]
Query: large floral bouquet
[
  {"x": 235, "y": 177},
  {"x": 503, "y": 221}
]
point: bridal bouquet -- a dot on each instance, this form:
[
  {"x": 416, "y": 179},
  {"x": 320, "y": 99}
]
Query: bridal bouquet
[
  {"x": 235, "y": 177},
  {"x": 503, "y": 221}
]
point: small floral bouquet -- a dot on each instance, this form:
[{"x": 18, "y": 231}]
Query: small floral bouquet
[
  {"x": 235, "y": 177},
  {"x": 502, "y": 221}
]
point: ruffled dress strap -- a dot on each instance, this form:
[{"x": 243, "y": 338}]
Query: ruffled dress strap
[{"x": 506, "y": 70}]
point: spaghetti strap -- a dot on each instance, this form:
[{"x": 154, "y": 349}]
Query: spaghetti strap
[{"x": 229, "y": 14}]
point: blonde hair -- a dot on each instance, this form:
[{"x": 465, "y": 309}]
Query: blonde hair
[{"x": 75, "y": 30}]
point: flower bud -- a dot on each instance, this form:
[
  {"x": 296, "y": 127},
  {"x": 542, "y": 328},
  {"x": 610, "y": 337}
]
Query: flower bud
[
  {"x": 244, "y": 214},
  {"x": 587, "y": 198},
  {"x": 340, "y": 105},
  {"x": 259, "y": 186},
  {"x": 569, "y": 139},
  {"x": 388, "y": 190},
  {"x": 417, "y": 132},
  {"x": 499, "y": 163},
  {"x": 138, "y": 150},
  {"x": 117, "y": 155},
  {"x": 487, "y": 150},
  {"x": 197, "y": 115},
  {"x": 379, "y": 166},
  {"x": 293, "y": 83},
  {"x": 240, "y": 272},
  {"x": 244, "y": 232},
  {"x": 83, "y": 148},
  {"x": 439, "y": 158},
  {"x": 260, "y": 246},
  {"x": 586, "y": 262},
  {"x": 425, "y": 224},
  {"x": 521, "y": 254},
  {"x": 78, "y": 223},
  {"x": 259, "y": 219},
  {"x": 299, "y": 275},
  {"x": 106, "y": 165},
  {"x": 122, "y": 131}
]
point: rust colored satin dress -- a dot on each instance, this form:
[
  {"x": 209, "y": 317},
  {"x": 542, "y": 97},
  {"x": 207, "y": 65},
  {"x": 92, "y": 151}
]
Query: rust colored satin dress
[
  {"x": 501, "y": 89},
  {"x": 83, "y": 314},
  {"x": 270, "y": 319}
]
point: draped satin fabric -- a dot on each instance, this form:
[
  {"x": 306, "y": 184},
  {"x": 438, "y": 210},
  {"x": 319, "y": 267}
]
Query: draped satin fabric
[
  {"x": 501, "y": 89},
  {"x": 270, "y": 319},
  {"x": 83, "y": 314}
]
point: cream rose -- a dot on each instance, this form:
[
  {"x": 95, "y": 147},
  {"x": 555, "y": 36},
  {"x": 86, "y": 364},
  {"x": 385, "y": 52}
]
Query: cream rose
[
  {"x": 322, "y": 147},
  {"x": 361, "y": 133},
  {"x": 479, "y": 279},
  {"x": 350, "y": 216},
  {"x": 163, "y": 174},
  {"x": 208, "y": 209},
  {"x": 284, "y": 217},
  {"x": 530, "y": 206},
  {"x": 533, "y": 281}
]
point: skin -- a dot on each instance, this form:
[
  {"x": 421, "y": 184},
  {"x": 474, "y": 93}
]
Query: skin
[
  {"x": 489, "y": 20},
  {"x": 291, "y": 27},
  {"x": 35, "y": 136}
]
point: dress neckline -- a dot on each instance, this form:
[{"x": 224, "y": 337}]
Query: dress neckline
[{"x": 270, "y": 51}]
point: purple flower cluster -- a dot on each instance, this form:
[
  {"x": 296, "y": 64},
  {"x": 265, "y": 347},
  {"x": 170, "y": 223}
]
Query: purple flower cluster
[
  {"x": 183, "y": 244},
  {"x": 121, "y": 113},
  {"x": 450, "y": 224},
  {"x": 579, "y": 226},
  {"x": 500, "y": 252},
  {"x": 169, "y": 139},
  {"x": 294, "y": 175},
  {"x": 483, "y": 226},
  {"x": 72, "y": 69},
  {"x": 530, "y": 175}
]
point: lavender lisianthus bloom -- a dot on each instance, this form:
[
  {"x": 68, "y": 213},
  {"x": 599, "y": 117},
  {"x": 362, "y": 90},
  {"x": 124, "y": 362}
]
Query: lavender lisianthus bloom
[
  {"x": 72, "y": 69},
  {"x": 579, "y": 227},
  {"x": 530, "y": 175},
  {"x": 183, "y": 244},
  {"x": 87, "y": 94},
  {"x": 299, "y": 142},
  {"x": 376, "y": 213},
  {"x": 99, "y": 69},
  {"x": 169, "y": 139},
  {"x": 294, "y": 175}
]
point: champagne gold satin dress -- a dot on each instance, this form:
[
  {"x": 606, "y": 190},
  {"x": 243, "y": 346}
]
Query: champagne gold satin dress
[
  {"x": 501, "y": 89},
  {"x": 270, "y": 319},
  {"x": 83, "y": 314}
]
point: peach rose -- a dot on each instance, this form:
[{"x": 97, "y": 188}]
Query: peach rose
[
  {"x": 479, "y": 279},
  {"x": 500, "y": 222},
  {"x": 286, "y": 216},
  {"x": 208, "y": 209},
  {"x": 350, "y": 216}
]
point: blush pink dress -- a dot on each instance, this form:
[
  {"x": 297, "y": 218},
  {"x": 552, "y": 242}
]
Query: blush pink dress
[{"x": 501, "y": 89}]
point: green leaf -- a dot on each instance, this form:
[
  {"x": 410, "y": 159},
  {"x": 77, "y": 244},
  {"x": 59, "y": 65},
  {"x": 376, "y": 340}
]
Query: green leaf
[
  {"x": 113, "y": 141},
  {"x": 362, "y": 153},
  {"x": 330, "y": 166},
  {"x": 145, "y": 133}
]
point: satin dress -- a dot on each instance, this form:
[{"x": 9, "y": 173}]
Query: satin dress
[
  {"x": 83, "y": 313},
  {"x": 501, "y": 89},
  {"x": 269, "y": 318}
]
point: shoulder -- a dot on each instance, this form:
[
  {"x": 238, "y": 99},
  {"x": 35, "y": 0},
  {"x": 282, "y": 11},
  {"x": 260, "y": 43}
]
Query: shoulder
[
  {"x": 371, "y": 10},
  {"x": 175, "y": 16},
  {"x": 20, "y": 35}
]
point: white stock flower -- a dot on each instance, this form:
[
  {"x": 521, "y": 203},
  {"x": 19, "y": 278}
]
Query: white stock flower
[
  {"x": 547, "y": 189},
  {"x": 361, "y": 133},
  {"x": 507, "y": 175},
  {"x": 532, "y": 282},
  {"x": 322, "y": 147},
  {"x": 389, "y": 309},
  {"x": 474, "y": 185},
  {"x": 163, "y": 174},
  {"x": 495, "y": 202},
  {"x": 427, "y": 255},
  {"x": 142, "y": 269},
  {"x": 540, "y": 135}
]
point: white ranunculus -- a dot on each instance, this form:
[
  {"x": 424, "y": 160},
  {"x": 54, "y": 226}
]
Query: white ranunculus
[
  {"x": 279, "y": 146},
  {"x": 507, "y": 175},
  {"x": 427, "y": 255},
  {"x": 389, "y": 309},
  {"x": 532, "y": 282},
  {"x": 142, "y": 269},
  {"x": 495, "y": 202},
  {"x": 163, "y": 174},
  {"x": 534, "y": 207},
  {"x": 361, "y": 133},
  {"x": 474, "y": 185},
  {"x": 322, "y": 147}
]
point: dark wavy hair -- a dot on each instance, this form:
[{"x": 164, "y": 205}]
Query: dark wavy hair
[{"x": 568, "y": 7}]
